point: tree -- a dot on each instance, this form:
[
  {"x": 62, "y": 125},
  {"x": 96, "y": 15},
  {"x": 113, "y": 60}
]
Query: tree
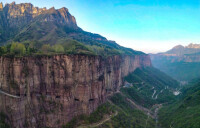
[
  {"x": 46, "y": 48},
  {"x": 58, "y": 48},
  {"x": 3, "y": 50},
  {"x": 17, "y": 49}
]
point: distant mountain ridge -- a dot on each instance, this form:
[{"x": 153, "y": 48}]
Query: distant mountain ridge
[
  {"x": 180, "y": 50},
  {"x": 181, "y": 62}
]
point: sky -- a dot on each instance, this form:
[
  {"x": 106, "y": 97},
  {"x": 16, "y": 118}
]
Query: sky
[{"x": 150, "y": 26}]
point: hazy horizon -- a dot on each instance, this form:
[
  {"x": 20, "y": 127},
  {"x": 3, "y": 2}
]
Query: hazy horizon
[{"x": 148, "y": 26}]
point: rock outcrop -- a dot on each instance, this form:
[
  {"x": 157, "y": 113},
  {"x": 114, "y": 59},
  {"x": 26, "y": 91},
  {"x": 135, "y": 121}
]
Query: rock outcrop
[
  {"x": 1, "y": 6},
  {"x": 50, "y": 91},
  {"x": 21, "y": 14}
]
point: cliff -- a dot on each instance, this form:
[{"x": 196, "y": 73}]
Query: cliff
[{"x": 49, "y": 91}]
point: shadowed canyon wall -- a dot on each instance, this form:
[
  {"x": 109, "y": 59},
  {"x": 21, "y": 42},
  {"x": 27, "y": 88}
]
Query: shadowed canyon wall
[{"x": 49, "y": 91}]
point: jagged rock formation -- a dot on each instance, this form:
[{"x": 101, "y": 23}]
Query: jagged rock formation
[
  {"x": 53, "y": 90},
  {"x": 23, "y": 19},
  {"x": 20, "y": 14}
]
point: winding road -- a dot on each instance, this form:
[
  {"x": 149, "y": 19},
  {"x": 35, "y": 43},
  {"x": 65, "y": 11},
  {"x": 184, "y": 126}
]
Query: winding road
[{"x": 7, "y": 94}]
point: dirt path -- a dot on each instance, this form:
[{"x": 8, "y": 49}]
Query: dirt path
[
  {"x": 105, "y": 119},
  {"x": 145, "y": 110}
]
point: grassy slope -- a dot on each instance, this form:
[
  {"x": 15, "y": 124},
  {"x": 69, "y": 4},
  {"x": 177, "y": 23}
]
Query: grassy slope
[{"x": 185, "y": 112}]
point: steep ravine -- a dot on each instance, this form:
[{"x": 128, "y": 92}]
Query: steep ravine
[{"x": 55, "y": 89}]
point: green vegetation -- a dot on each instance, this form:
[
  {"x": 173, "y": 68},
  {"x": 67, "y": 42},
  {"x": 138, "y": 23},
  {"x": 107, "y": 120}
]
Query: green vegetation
[
  {"x": 126, "y": 116},
  {"x": 105, "y": 109},
  {"x": 17, "y": 49},
  {"x": 145, "y": 82},
  {"x": 68, "y": 46},
  {"x": 37, "y": 48},
  {"x": 182, "y": 71},
  {"x": 185, "y": 112}
]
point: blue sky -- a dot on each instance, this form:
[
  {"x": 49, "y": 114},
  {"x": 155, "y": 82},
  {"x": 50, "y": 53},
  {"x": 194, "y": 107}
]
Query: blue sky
[{"x": 146, "y": 25}]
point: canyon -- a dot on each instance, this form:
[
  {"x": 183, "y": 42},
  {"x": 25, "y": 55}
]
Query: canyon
[{"x": 48, "y": 91}]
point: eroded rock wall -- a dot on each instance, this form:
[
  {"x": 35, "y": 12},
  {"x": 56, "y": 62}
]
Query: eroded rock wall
[{"x": 53, "y": 90}]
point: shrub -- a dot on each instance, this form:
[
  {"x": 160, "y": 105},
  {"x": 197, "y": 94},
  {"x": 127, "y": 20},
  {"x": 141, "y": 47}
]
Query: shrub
[
  {"x": 17, "y": 49},
  {"x": 58, "y": 48}
]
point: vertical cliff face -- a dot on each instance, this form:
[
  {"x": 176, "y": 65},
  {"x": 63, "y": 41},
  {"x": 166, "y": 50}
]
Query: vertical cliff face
[{"x": 50, "y": 91}]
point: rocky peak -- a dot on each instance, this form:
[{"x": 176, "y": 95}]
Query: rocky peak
[
  {"x": 60, "y": 16},
  {"x": 67, "y": 16},
  {"x": 21, "y": 14},
  {"x": 24, "y": 9}
]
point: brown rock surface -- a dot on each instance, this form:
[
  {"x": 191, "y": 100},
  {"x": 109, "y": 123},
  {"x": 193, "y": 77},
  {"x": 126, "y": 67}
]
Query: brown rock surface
[
  {"x": 20, "y": 14},
  {"x": 1, "y": 6},
  {"x": 53, "y": 90}
]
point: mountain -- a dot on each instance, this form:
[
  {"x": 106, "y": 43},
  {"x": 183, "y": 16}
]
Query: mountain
[
  {"x": 180, "y": 50},
  {"x": 182, "y": 63},
  {"x": 24, "y": 22},
  {"x": 53, "y": 71},
  {"x": 24, "y": 19},
  {"x": 54, "y": 74},
  {"x": 184, "y": 112}
]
